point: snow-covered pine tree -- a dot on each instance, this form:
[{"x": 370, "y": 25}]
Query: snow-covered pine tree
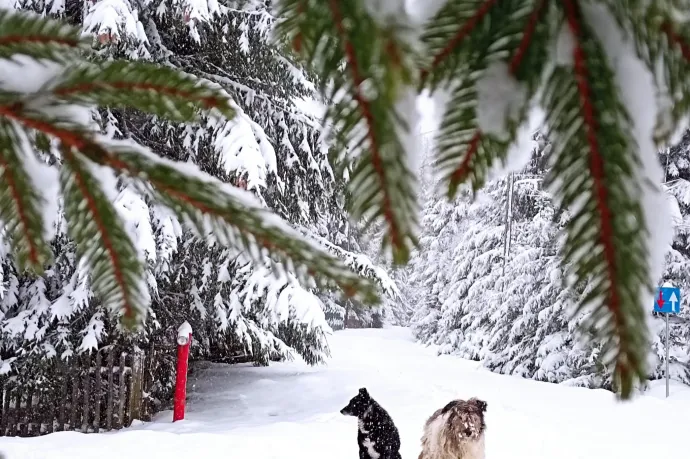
[
  {"x": 394, "y": 308},
  {"x": 473, "y": 271},
  {"x": 519, "y": 319},
  {"x": 235, "y": 307},
  {"x": 434, "y": 262},
  {"x": 676, "y": 163},
  {"x": 590, "y": 64},
  {"x": 276, "y": 153}
]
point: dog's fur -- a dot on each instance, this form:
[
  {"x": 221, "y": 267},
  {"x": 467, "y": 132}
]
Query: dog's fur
[
  {"x": 377, "y": 436},
  {"x": 455, "y": 431}
]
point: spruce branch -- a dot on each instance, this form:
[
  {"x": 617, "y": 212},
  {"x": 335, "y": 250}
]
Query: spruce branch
[
  {"x": 445, "y": 38},
  {"x": 674, "y": 47},
  {"x": 592, "y": 132},
  {"x": 660, "y": 38},
  {"x": 463, "y": 152},
  {"x": 209, "y": 205},
  {"x": 513, "y": 32},
  {"x": 101, "y": 239},
  {"x": 20, "y": 203},
  {"x": 232, "y": 216},
  {"x": 57, "y": 110},
  {"x": 150, "y": 88},
  {"x": 368, "y": 67},
  {"x": 32, "y": 35}
]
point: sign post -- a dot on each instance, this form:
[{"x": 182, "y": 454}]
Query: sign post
[{"x": 667, "y": 302}]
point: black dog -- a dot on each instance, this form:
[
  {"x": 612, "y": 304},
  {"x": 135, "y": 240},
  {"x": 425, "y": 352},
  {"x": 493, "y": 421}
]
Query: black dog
[{"x": 377, "y": 436}]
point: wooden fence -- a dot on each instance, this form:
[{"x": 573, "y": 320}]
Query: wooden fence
[{"x": 87, "y": 393}]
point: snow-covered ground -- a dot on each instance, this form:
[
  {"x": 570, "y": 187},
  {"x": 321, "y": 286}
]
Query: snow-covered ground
[{"x": 291, "y": 411}]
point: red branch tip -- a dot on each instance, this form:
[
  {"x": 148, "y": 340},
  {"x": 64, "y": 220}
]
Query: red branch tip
[
  {"x": 526, "y": 37},
  {"x": 105, "y": 238},
  {"x": 465, "y": 30},
  {"x": 461, "y": 172},
  {"x": 676, "y": 39},
  {"x": 33, "y": 251},
  {"x": 298, "y": 40},
  {"x": 369, "y": 117},
  {"x": 9, "y": 40},
  {"x": 596, "y": 160},
  {"x": 208, "y": 102}
]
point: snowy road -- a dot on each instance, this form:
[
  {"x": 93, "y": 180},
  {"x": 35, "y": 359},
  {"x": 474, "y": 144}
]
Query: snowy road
[{"x": 291, "y": 411}]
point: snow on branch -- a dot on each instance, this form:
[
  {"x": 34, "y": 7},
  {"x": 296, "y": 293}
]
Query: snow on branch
[
  {"x": 111, "y": 21},
  {"x": 58, "y": 101},
  {"x": 360, "y": 264}
]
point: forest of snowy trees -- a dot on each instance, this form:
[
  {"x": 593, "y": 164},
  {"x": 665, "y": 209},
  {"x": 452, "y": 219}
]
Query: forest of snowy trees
[
  {"x": 462, "y": 290},
  {"x": 273, "y": 147},
  {"x": 518, "y": 316}
]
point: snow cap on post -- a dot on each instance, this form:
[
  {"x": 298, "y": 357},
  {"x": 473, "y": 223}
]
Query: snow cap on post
[{"x": 184, "y": 333}]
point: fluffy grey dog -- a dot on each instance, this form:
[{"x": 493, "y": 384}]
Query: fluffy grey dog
[{"x": 455, "y": 431}]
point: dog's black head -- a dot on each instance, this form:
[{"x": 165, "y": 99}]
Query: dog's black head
[{"x": 358, "y": 405}]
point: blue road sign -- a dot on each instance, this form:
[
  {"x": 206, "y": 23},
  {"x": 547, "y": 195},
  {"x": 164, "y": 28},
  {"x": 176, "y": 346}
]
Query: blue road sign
[{"x": 667, "y": 300}]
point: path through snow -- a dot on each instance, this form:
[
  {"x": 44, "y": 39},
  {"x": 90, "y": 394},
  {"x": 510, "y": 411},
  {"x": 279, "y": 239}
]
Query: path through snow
[{"x": 290, "y": 411}]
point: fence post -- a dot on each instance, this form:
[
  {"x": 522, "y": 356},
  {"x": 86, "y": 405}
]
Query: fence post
[
  {"x": 111, "y": 390},
  {"x": 184, "y": 340},
  {"x": 97, "y": 393},
  {"x": 135, "y": 385},
  {"x": 86, "y": 361},
  {"x": 5, "y": 399},
  {"x": 121, "y": 392}
]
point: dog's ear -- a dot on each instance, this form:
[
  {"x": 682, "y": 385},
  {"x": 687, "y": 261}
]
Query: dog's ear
[
  {"x": 450, "y": 405},
  {"x": 363, "y": 392},
  {"x": 482, "y": 405}
]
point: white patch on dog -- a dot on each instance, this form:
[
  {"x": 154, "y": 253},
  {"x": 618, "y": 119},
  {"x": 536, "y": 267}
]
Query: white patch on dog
[
  {"x": 434, "y": 428},
  {"x": 369, "y": 445},
  {"x": 360, "y": 423}
]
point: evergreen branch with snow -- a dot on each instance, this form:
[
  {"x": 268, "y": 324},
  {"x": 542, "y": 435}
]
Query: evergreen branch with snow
[
  {"x": 361, "y": 264},
  {"x": 661, "y": 37},
  {"x": 161, "y": 91},
  {"x": 593, "y": 175},
  {"x": 29, "y": 34},
  {"x": 233, "y": 217},
  {"x": 101, "y": 239},
  {"x": 491, "y": 55},
  {"x": 601, "y": 69},
  {"x": 464, "y": 151},
  {"x": 366, "y": 67},
  {"x": 58, "y": 101},
  {"x": 497, "y": 59},
  {"x": 21, "y": 203}
]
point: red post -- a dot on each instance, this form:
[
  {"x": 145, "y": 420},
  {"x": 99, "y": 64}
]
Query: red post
[{"x": 184, "y": 340}]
